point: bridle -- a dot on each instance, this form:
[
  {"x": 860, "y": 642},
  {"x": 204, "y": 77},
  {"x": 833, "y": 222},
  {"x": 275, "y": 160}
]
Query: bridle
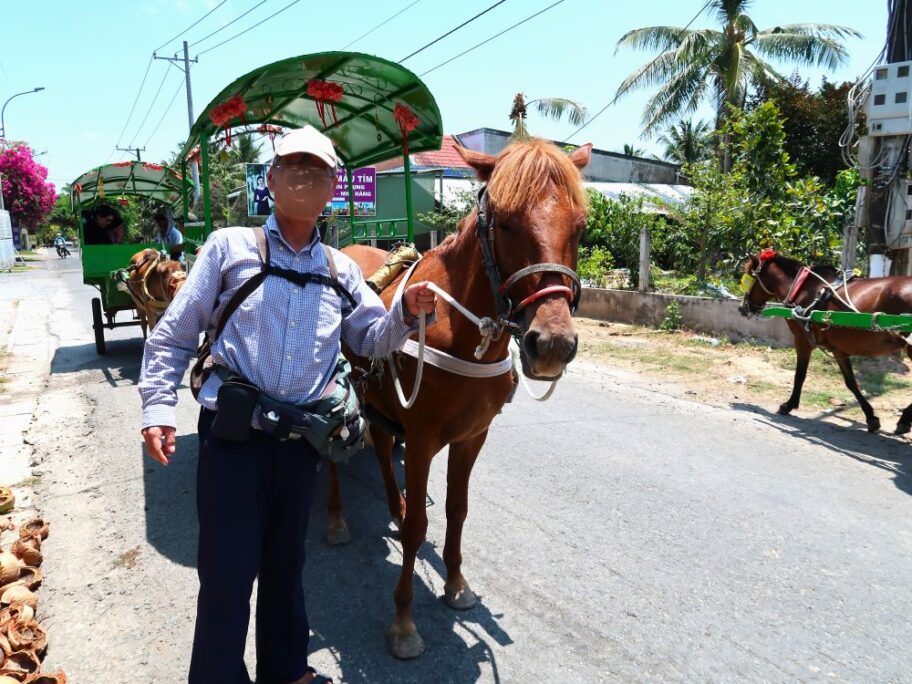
[
  {"x": 507, "y": 313},
  {"x": 756, "y": 280}
]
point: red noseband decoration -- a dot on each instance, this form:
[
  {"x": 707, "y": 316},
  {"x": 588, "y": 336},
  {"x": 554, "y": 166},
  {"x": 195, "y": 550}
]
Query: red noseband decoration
[{"x": 544, "y": 292}]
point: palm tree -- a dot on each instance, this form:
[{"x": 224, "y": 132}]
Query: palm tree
[
  {"x": 695, "y": 63},
  {"x": 551, "y": 107},
  {"x": 632, "y": 151},
  {"x": 687, "y": 142}
]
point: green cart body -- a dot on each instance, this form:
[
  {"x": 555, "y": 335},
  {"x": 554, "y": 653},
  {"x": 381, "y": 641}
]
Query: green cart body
[{"x": 875, "y": 322}]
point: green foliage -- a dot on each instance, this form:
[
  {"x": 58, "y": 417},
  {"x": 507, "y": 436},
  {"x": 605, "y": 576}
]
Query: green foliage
[
  {"x": 593, "y": 264},
  {"x": 760, "y": 203},
  {"x": 615, "y": 225},
  {"x": 813, "y": 123},
  {"x": 687, "y": 142},
  {"x": 554, "y": 108},
  {"x": 448, "y": 216},
  {"x": 673, "y": 320}
]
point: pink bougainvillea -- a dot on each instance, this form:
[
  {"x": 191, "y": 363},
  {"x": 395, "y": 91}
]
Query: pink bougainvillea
[{"x": 27, "y": 194}]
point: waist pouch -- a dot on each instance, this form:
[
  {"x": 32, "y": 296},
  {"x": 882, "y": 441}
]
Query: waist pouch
[{"x": 332, "y": 425}]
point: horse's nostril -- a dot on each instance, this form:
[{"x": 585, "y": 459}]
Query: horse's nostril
[
  {"x": 530, "y": 343},
  {"x": 573, "y": 349}
]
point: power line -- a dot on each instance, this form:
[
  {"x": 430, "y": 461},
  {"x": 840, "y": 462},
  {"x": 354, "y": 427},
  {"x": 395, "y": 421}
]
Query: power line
[
  {"x": 165, "y": 113},
  {"x": 132, "y": 109},
  {"x": 451, "y": 31},
  {"x": 238, "y": 35},
  {"x": 191, "y": 26},
  {"x": 151, "y": 105},
  {"x": 488, "y": 40},
  {"x": 382, "y": 23},
  {"x": 656, "y": 59},
  {"x": 222, "y": 28}
]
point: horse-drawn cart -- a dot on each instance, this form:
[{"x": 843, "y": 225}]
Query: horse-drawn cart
[{"x": 99, "y": 262}]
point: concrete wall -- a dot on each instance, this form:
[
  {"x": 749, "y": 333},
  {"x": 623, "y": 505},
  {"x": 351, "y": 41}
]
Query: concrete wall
[
  {"x": 605, "y": 167},
  {"x": 718, "y": 317}
]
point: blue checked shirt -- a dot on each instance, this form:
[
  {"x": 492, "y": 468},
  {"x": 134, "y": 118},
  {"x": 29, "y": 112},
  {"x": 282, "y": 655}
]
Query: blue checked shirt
[{"x": 283, "y": 338}]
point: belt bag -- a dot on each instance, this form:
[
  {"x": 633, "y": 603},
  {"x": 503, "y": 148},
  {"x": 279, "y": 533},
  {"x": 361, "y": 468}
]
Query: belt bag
[{"x": 332, "y": 425}]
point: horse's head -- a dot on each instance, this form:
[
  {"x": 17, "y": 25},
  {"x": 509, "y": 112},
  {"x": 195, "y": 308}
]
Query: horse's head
[
  {"x": 764, "y": 277},
  {"x": 530, "y": 217},
  {"x": 173, "y": 276}
]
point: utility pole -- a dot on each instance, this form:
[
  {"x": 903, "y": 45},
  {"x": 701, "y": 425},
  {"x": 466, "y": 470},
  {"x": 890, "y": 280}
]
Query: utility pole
[
  {"x": 184, "y": 64},
  {"x": 133, "y": 150}
]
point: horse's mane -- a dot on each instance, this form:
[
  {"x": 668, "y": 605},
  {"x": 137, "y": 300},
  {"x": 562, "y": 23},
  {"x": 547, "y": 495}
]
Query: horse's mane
[
  {"x": 523, "y": 171},
  {"x": 792, "y": 266}
]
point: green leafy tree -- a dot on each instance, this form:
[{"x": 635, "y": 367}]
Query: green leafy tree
[
  {"x": 723, "y": 63},
  {"x": 687, "y": 142},
  {"x": 448, "y": 215},
  {"x": 813, "y": 123},
  {"x": 555, "y": 108},
  {"x": 632, "y": 151}
]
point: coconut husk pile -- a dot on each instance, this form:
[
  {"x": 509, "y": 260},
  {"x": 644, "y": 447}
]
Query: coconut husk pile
[{"x": 23, "y": 641}]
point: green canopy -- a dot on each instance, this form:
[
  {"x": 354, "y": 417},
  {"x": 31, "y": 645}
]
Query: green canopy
[
  {"x": 359, "y": 96},
  {"x": 129, "y": 178}
]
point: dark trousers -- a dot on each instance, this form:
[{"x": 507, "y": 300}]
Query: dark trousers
[{"x": 253, "y": 500}]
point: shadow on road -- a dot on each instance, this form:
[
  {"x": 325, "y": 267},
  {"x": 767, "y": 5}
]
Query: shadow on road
[
  {"x": 120, "y": 365},
  {"x": 170, "y": 505},
  {"x": 879, "y": 450},
  {"x": 350, "y": 594}
]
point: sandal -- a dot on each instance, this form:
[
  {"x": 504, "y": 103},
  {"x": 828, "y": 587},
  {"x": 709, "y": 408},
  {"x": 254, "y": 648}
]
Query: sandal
[{"x": 7, "y": 499}]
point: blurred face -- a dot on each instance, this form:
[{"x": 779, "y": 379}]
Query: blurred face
[
  {"x": 302, "y": 185},
  {"x": 161, "y": 222},
  {"x": 105, "y": 221}
]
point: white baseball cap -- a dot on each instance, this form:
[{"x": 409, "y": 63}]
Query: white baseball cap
[{"x": 308, "y": 140}]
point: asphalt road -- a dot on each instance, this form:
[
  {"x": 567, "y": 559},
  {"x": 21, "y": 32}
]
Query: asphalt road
[{"x": 615, "y": 533}]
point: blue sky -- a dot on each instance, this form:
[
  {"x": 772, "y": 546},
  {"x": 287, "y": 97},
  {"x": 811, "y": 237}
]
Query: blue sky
[{"x": 91, "y": 56}]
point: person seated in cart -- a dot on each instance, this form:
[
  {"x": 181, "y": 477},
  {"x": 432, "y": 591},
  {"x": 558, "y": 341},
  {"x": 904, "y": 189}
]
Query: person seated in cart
[
  {"x": 104, "y": 227},
  {"x": 168, "y": 234}
]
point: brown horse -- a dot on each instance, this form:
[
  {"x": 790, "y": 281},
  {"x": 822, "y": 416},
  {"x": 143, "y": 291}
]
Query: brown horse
[
  {"x": 780, "y": 279},
  {"x": 534, "y": 213},
  {"x": 153, "y": 283}
]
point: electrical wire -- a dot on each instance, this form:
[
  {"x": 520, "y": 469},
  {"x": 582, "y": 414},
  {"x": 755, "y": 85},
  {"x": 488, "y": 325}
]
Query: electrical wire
[
  {"x": 382, "y": 23},
  {"x": 132, "y": 109},
  {"x": 655, "y": 59},
  {"x": 222, "y": 28},
  {"x": 152, "y": 104},
  {"x": 488, "y": 40},
  {"x": 238, "y": 35},
  {"x": 452, "y": 30},
  {"x": 164, "y": 114},
  {"x": 190, "y": 27}
]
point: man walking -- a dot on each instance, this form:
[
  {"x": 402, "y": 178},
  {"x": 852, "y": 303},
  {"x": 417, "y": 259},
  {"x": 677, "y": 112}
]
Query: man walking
[{"x": 254, "y": 496}]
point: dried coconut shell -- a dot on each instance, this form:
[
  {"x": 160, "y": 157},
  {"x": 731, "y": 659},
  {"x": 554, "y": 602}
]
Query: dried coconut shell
[
  {"x": 16, "y": 611},
  {"x": 19, "y": 594},
  {"x": 55, "y": 678},
  {"x": 5, "y": 647},
  {"x": 6, "y": 679},
  {"x": 26, "y": 552},
  {"x": 27, "y": 635},
  {"x": 36, "y": 527},
  {"x": 29, "y": 577},
  {"x": 6, "y": 523},
  {"x": 9, "y": 568},
  {"x": 20, "y": 664}
]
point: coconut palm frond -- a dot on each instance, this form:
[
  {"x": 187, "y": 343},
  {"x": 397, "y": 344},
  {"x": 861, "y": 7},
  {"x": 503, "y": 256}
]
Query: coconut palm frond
[
  {"x": 652, "y": 38},
  {"x": 803, "y": 49},
  {"x": 556, "y": 107}
]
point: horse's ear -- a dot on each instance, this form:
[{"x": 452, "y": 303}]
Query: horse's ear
[
  {"x": 581, "y": 156},
  {"x": 481, "y": 162}
]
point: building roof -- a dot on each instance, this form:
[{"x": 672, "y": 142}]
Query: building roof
[{"x": 445, "y": 158}]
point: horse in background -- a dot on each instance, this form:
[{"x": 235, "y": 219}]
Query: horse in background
[
  {"x": 534, "y": 212},
  {"x": 153, "y": 281},
  {"x": 776, "y": 277}
]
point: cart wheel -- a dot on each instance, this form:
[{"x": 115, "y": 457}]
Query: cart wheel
[{"x": 98, "y": 326}]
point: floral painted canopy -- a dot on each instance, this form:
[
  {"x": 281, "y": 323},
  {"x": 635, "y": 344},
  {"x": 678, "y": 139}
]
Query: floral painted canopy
[
  {"x": 371, "y": 108},
  {"x": 129, "y": 178}
]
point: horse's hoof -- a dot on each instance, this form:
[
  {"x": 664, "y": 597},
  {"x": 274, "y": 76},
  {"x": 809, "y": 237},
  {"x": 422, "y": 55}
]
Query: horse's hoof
[
  {"x": 337, "y": 536},
  {"x": 902, "y": 428},
  {"x": 405, "y": 643},
  {"x": 460, "y": 599},
  {"x": 784, "y": 409},
  {"x": 874, "y": 425}
]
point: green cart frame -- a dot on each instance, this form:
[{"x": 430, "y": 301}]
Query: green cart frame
[
  {"x": 111, "y": 182},
  {"x": 371, "y": 108},
  {"x": 875, "y": 322}
]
